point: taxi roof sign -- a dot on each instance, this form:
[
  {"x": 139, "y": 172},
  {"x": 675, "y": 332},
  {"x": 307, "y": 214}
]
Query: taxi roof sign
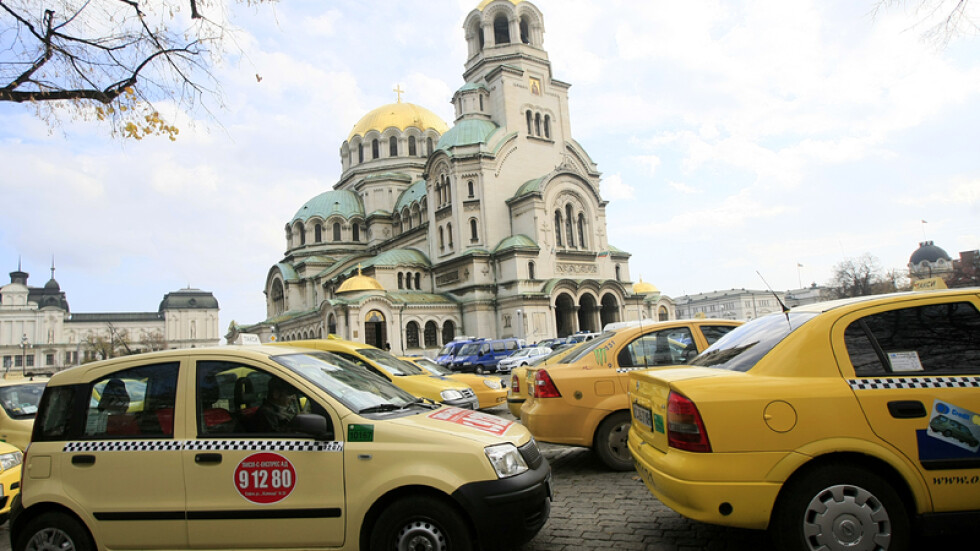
[
  {"x": 929, "y": 284},
  {"x": 248, "y": 338}
]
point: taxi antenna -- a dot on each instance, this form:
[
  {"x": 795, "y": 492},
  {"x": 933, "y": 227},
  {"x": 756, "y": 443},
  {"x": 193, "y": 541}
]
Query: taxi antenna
[{"x": 779, "y": 300}]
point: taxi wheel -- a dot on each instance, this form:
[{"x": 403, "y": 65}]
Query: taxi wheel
[
  {"x": 422, "y": 523},
  {"x": 840, "y": 507},
  {"x": 54, "y": 532},
  {"x": 610, "y": 442}
]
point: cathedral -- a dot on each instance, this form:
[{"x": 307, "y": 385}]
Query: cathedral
[{"x": 494, "y": 226}]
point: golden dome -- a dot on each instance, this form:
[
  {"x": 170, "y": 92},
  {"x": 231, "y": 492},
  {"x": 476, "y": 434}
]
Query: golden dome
[
  {"x": 401, "y": 116},
  {"x": 643, "y": 288},
  {"x": 486, "y": 3},
  {"x": 360, "y": 283}
]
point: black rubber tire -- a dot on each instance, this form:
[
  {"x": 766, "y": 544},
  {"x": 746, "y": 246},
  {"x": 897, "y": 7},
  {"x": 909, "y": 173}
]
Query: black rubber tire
[
  {"x": 479, "y": 370},
  {"x": 425, "y": 519},
  {"x": 610, "y": 441},
  {"x": 54, "y": 530},
  {"x": 862, "y": 507}
]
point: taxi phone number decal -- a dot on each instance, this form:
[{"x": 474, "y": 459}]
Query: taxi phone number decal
[
  {"x": 265, "y": 478},
  {"x": 473, "y": 419}
]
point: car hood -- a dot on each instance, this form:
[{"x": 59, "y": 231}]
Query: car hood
[{"x": 473, "y": 425}]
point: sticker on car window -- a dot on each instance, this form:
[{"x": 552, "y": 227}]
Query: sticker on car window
[
  {"x": 473, "y": 419},
  {"x": 903, "y": 362}
]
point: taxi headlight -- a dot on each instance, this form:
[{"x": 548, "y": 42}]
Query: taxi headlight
[
  {"x": 10, "y": 460},
  {"x": 451, "y": 395},
  {"x": 492, "y": 383},
  {"x": 506, "y": 460}
]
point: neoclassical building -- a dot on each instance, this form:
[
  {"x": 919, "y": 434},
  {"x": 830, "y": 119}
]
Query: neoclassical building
[
  {"x": 38, "y": 331},
  {"x": 494, "y": 226}
]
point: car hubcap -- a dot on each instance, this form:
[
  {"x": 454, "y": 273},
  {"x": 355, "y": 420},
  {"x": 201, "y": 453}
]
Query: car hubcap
[
  {"x": 50, "y": 539},
  {"x": 846, "y": 517},
  {"x": 617, "y": 442},
  {"x": 421, "y": 536}
]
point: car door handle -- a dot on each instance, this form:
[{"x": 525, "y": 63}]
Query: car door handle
[
  {"x": 83, "y": 460},
  {"x": 907, "y": 409},
  {"x": 208, "y": 458}
]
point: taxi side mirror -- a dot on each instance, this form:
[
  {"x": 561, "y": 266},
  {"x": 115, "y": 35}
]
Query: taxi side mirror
[{"x": 313, "y": 425}]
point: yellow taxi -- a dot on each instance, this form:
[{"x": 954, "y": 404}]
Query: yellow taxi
[
  {"x": 333, "y": 457},
  {"x": 490, "y": 392},
  {"x": 406, "y": 376},
  {"x": 18, "y": 405},
  {"x": 10, "y": 465},
  {"x": 581, "y": 399},
  {"x": 517, "y": 391},
  {"x": 823, "y": 424}
]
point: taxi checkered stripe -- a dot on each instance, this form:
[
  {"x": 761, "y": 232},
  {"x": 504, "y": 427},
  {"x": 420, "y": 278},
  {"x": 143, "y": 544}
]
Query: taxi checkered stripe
[
  {"x": 205, "y": 445},
  {"x": 915, "y": 382},
  {"x": 628, "y": 369}
]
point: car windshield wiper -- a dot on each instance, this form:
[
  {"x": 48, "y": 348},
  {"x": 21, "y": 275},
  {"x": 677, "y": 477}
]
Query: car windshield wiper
[{"x": 380, "y": 408}]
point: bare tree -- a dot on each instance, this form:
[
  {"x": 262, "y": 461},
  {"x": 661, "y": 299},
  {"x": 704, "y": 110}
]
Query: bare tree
[
  {"x": 941, "y": 19},
  {"x": 153, "y": 341},
  {"x": 856, "y": 277},
  {"x": 111, "y": 59}
]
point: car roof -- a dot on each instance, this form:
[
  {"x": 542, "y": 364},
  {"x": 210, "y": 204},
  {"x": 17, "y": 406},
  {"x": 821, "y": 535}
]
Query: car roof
[{"x": 826, "y": 306}]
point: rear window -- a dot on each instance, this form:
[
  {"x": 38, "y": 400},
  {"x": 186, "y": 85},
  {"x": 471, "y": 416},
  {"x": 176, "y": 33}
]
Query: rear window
[{"x": 744, "y": 346}]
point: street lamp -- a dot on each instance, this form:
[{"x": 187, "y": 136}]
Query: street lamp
[{"x": 24, "y": 343}]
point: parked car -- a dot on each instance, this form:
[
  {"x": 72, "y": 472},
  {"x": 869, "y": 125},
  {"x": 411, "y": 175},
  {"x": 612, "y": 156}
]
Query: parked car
[
  {"x": 406, "y": 376},
  {"x": 448, "y": 352},
  {"x": 819, "y": 423},
  {"x": 489, "y": 390},
  {"x": 581, "y": 399},
  {"x": 482, "y": 356},
  {"x": 517, "y": 391},
  {"x": 336, "y": 457},
  {"x": 10, "y": 466},
  {"x": 522, "y": 357},
  {"x": 18, "y": 405}
]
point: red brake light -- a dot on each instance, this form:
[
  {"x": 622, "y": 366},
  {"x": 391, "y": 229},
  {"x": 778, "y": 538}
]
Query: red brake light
[
  {"x": 515, "y": 384},
  {"x": 685, "y": 428},
  {"x": 544, "y": 387}
]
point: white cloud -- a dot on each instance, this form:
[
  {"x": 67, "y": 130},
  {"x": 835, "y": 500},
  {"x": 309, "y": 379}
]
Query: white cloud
[
  {"x": 683, "y": 188},
  {"x": 613, "y": 188}
]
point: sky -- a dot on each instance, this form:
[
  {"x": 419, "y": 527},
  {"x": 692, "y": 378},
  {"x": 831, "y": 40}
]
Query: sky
[{"x": 736, "y": 138}]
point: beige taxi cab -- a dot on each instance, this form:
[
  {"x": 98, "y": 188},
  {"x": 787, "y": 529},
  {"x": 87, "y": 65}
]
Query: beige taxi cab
[{"x": 333, "y": 457}]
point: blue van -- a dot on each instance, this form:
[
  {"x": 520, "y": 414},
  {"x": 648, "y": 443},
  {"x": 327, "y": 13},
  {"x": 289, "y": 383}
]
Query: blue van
[
  {"x": 481, "y": 356},
  {"x": 448, "y": 352}
]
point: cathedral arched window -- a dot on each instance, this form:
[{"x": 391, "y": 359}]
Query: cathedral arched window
[
  {"x": 357, "y": 232},
  {"x": 481, "y": 103},
  {"x": 449, "y": 235},
  {"x": 530, "y": 270},
  {"x": 412, "y": 334},
  {"x": 336, "y": 231},
  {"x": 375, "y": 149},
  {"x": 473, "y": 235},
  {"x": 662, "y": 314},
  {"x": 558, "y": 227},
  {"x": 428, "y": 146},
  {"x": 418, "y": 281},
  {"x": 317, "y": 233},
  {"x": 411, "y": 146},
  {"x": 332, "y": 324},
  {"x": 448, "y": 332},
  {"x": 547, "y": 126},
  {"x": 401, "y": 282},
  {"x": 360, "y": 153},
  {"x": 469, "y": 187},
  {"x": 392, "y": 146},
  {"x": 302, "y": 234},
  {"x": 442, "y": 240},
  {"x": 581, "y": 230},
  {"x": 407, "y": 219},
  {"x": 569, "y": 228},
  {"x": 501, "y": 30},
  {"x": 530, "y": 124},
  {"x": 278, "y": 298},
  {"x": 431, "y": 331},
  {"x": 537, "y": 124},
  {"x": 525, "y": 31},
  {"x": 618, "y": 273}
]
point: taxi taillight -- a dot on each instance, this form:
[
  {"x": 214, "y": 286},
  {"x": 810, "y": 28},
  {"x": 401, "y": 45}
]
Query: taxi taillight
[
  {"x": 685, "y": 428},
  {"x": 515, "y": 384},
  {"x": 544, "y": 387}
]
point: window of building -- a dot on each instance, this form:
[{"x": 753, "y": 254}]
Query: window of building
[
  {"x": 360, "y": 153},
  {"x": 336, "y": 231},
  {"x": 412, "y": 334},
  {"x": 375, "y": 149},
  {"x": 49, "y": 359},
  {"x": 581, "y": 230},
  {"x": 392, "y": 146},
  {"x": 530, "y": 270},
  {"x": 400, "y": 281},
  {"x": 547, "y": 126},
  {"x": 448, "y": 332},
  {"x": 525, "y": 31},
  {"x": 418, "y": 281},
  {"x": 442, "y": 240},
  {"x": 537, "y": 124},
  {"x": 8, "y": 361},
  {"x": 317, "y": 233},
  {"x": 530, "y": 129},
  {"x": 302, "y": 234},
  {"x": 501, "y": 30},
  {"x": 618, "y": 278},
  {"x": 431, "y": 333},
  {"x": 570, "y": 230},
  {"x": 357, "y": 232},
  {"x": 481, "y": 103},
  {"x": 558, "y": 227},
  {"x": 412, "y": 150},
  {"x": 428, "y": 146},
  {"x": 470, "y": 188},
  {"x": 473, "y": 234},
  {"x": 449, "y": 235}
]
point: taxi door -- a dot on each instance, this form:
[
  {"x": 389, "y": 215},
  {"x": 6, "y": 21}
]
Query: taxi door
[
  {"x": 251, "y": 480},
  {"x": 916, "y": 372}
]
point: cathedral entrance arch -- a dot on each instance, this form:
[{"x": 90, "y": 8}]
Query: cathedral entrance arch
[
  {"x": 375, "y": 329},
  {"x": 587, "y": 311},
  {"x": 565, "y": 320},
  {"x": 610, "y": 310}
]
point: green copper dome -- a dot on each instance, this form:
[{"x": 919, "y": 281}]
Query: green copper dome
[
  {"x": 467, "y": 132},
  {"x": 345, "y": 203}
]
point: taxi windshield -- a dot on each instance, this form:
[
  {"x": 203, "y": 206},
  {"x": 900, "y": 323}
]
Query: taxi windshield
[
  {"x": 20, "y": 401},
  {"x": 433, "y": 367},
  {"x": 745, "y": 345},
  {"x": 352, "y": 385},
  {"x": 391, "y": 364}
]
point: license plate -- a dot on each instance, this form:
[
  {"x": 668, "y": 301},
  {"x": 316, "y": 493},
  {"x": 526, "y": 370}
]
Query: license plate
[{"x": 643, "y": 416}]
